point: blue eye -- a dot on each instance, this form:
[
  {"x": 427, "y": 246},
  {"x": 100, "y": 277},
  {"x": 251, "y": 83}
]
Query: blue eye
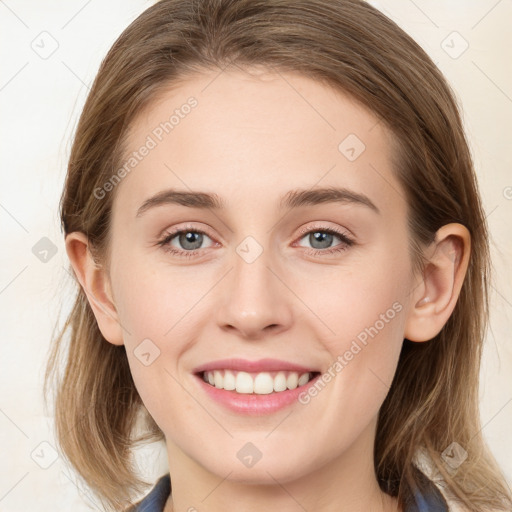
[
  {"x": 191, "y": 239},
  {"x": 323, "y": 238}
]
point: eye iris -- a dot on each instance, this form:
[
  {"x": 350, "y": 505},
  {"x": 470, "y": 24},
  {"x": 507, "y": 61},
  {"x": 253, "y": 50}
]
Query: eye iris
[
  {"x": 195, "y": 239},
  {"x": 325, "y": 239}
]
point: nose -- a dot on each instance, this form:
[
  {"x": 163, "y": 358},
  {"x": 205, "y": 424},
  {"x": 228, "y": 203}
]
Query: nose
[{"x": 254, "y": 300}]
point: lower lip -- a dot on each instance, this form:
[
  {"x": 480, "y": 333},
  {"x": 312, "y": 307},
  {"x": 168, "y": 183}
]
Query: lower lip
[{"x": 253, "y": 404}]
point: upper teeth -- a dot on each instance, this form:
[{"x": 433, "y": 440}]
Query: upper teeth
[{"x": 259, "y": 383}]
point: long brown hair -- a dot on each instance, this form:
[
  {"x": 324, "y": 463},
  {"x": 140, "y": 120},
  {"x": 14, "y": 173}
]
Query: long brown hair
[{"x": 348, "y": 44}]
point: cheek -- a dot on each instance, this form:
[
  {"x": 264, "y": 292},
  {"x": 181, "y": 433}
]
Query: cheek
[
  {"x": 160, "y": 311},
  {"x": 154, "y": 304},
  {"x": 364, "y": 310},
  {"x": 364, "y": 302}
]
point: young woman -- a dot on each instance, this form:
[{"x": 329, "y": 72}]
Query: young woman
[{"x": 282, "y": 264}]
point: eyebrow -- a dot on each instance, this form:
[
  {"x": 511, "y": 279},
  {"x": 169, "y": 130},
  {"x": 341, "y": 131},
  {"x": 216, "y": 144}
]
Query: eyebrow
[{"x": 292, "y": 199}]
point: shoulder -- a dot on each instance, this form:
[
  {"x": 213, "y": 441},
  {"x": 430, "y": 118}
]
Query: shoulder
[
  {"x": 426, "y": 497},
  {"x": 428, "y": 501},
  {"x": 157, "y": 497}
]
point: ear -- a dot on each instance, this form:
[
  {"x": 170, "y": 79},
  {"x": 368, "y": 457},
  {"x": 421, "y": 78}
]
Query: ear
[
  {"x": 96, "y": 284},
  {"x": 434, "y": 298}
]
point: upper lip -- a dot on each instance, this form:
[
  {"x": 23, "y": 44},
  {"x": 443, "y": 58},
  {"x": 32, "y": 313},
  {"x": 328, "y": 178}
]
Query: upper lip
[{"x": 261, "y": 365}]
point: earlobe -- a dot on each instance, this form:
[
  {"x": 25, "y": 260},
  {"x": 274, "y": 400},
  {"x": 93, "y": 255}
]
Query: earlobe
[
  {"x": 434, "y": 299},
  {"x": 95, "y": 282}
]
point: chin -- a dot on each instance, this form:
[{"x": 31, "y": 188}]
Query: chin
[{"x": 265, "y": 471}]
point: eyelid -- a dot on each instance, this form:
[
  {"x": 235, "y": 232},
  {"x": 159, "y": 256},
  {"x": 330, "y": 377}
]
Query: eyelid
[
  {"x": 321, "y": 226},
  {"x": 187, "y": 227}
]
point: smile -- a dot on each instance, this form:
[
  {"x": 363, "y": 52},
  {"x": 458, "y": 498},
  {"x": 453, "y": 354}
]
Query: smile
[{"x": 262, "y": 383}]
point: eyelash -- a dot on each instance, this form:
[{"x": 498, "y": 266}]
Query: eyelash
[{"x": 346, "y": 241}]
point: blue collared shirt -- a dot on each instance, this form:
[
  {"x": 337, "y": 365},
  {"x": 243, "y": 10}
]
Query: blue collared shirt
[{"x": 432, "y": 501}]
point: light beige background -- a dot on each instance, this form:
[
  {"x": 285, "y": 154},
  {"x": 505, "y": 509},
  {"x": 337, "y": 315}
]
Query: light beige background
[{"x": 40, "y": 99}]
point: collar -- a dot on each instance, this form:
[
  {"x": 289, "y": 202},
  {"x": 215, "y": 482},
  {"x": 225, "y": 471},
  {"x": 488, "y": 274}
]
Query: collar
[{"x": 431, "y": 500}]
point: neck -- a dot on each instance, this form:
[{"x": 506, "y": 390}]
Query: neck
[{"x": 344, "y": 484}]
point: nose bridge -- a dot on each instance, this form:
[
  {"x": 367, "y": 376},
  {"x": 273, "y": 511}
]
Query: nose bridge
[{"x": 254, "y": 298}]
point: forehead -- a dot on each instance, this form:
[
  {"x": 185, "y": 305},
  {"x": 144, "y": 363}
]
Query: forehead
[{"x": 242, "y": 135}]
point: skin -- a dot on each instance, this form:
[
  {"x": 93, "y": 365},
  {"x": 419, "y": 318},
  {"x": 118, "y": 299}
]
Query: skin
[{"x": 251, "y": 139}]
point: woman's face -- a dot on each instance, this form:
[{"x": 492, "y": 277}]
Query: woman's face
[{"x": 281, "y": 270}]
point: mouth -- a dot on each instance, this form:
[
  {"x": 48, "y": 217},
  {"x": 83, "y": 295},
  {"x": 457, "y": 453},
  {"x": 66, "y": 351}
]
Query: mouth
[
  {"x": 256, "y": 383},
  {"x": 255, "y": 388}
]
